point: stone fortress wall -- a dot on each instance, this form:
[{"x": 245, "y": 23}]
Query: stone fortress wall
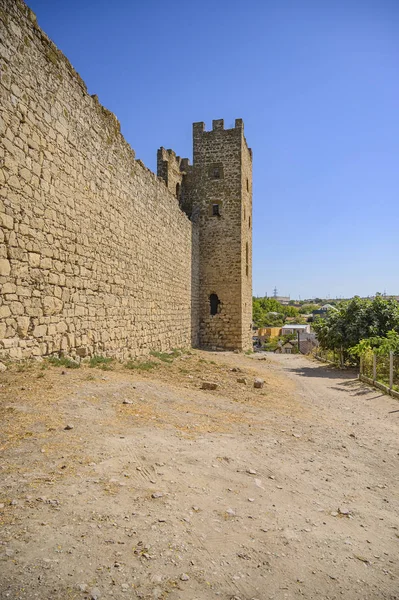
[{"x": 97, "y": 254}]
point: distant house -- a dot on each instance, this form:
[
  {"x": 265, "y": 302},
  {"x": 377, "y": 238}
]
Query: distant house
[
  {"x": 287, "y": 348},
  {"x": 269, "y": 332},
  {"x": 293, "y": 329},
  {"x": 323, "y": 310}
]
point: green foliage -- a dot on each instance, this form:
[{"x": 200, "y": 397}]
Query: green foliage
[
  {"x": 100, "y": 361},
  {"x": 379, "y": 345},
  {"x": 268, "y": 312},
  {"x": 141, "y": 366},
  {"x": 163, "y": 356},
  {"x": 355, "y": 320},
  {"x": 63, "y": 361},
  {"x": 306, "y": 309},
  {"x": 271, "y": 345}
]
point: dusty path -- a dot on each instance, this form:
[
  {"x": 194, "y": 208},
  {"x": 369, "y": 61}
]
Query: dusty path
[{"x": 286, "y": 492}]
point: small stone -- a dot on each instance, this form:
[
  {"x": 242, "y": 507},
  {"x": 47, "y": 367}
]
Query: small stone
[
  {"x": 68, "y": 427},
  {"x": 2, "y": 505},
  {"x": 184, "y": 577},
  {"x": 82, "y": 587},
  {"x": 125, "y": 586},
  {"x": 251, "y": 499},
  {"x": 344, "y": 511},
  {"x": 127, "y": 401},
  {"x": 209, "y": 385},
  {"x": 251, "y": 471},
  {"x": 230, "y": 512},
  {"x": 157, "y": 495},
  {"x": 195, "y": 508},
  {"x": 2, "y": 367},
  {"x": 242, "y": 380},
  {"x": 95, "y": 594},
  {"x": 258, "y": 383}
]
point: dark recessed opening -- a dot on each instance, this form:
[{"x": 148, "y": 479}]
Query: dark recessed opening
[
  {"x": 216, "y": 173},
  {"x": 216, "y": 210},
  {"x": 177, "y": 190},
  {"x": 214, "y": 303},
  {"x": 247, "y": 185}
]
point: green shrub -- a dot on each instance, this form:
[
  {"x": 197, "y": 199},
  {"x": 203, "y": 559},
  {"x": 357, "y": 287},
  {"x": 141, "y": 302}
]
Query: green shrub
[
  {"x": 163, "y": 356},
  {"x": 100, "y": 361},
  {"x": 63, "y": 361},
  {"x": 141, "y": 366}
]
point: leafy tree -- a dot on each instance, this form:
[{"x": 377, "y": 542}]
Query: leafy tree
[
  {"x": 380, "y": 345},
  {"x": 308, "y": 308},
  {"x": 268, "y": 312},
  {"x": 355, "y": 320}
]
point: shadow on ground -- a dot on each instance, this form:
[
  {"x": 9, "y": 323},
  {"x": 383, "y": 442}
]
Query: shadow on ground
[{"x": 329, "y": 372}]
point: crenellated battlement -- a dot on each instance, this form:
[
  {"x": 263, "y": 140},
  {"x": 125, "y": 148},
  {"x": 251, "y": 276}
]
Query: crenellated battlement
[
  {"x": 200, "y": 133},
  {"x": 171, "y": 169},
  {"x": 217, "y": 125}
]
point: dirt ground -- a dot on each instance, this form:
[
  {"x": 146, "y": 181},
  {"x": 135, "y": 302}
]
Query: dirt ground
[{"x": 290, "y": 491}]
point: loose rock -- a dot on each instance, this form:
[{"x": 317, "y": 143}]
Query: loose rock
[
  {"x": 184, "y": 577},
  {"x": 209, "y": 385},
  {"x": 68, "y": 427},
  {"x": 2, "y": 367},
  {"x": 258, "y": 383}
]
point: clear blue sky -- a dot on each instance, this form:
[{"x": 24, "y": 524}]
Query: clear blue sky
[{"x": 317, "y": 84}]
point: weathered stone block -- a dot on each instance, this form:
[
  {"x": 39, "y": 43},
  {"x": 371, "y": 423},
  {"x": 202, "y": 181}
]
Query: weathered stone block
[
  {"x": 5, "y": 267},
  {"x": 23, "y": 326},
  {"x": 40, "y": 331}
]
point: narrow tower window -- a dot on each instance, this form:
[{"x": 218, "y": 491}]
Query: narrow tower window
[
  {"x": 214, "y": 303},
  {"x": 215, "y": 210},
  {"x": 177, "y": 190},
  {"x": 246, "y": 259},
  {"x": 247, "y": 185}
]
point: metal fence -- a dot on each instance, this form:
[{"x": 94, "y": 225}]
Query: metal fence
[{"x": 381, "y": 371}]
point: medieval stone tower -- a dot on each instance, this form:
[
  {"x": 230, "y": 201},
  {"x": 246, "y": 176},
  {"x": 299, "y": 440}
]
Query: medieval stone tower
[
  {"x": 83, "y": 269},
  {"x": 216, "y": 192}
]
